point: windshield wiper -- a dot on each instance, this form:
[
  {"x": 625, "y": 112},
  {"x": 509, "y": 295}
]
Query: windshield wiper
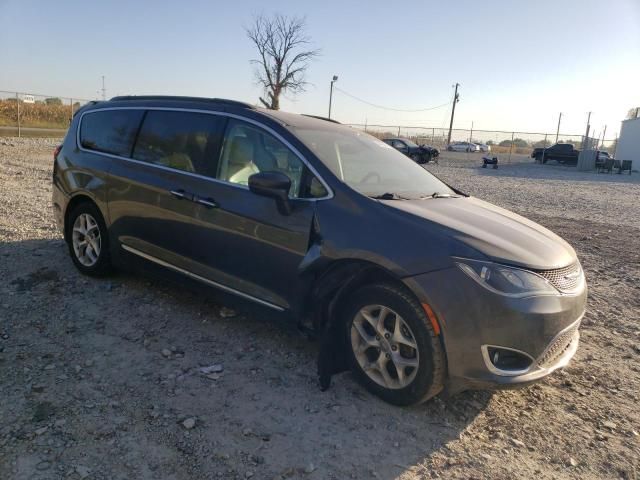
[
  {"x": 388, "y": 196},
  {"x": 442, "y": 195}
]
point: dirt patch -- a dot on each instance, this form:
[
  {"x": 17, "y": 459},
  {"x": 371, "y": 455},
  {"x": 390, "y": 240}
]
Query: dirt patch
[{"x": 104, "y": 379}]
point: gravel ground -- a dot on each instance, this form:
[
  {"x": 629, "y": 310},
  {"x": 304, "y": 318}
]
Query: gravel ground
[
  {"x": 551, "y": 190},
  {"x": 101, "y": 379}
]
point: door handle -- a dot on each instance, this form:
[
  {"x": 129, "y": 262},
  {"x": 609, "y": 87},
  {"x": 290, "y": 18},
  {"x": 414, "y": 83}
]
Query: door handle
[
  {"x": 207, "y": 202},
  {"x": 179, "y": 193}
]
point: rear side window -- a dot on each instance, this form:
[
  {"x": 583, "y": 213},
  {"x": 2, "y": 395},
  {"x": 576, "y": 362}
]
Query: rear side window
[
  {"x": 182, "y": 140},
  {"x": 110, "y": 131}
]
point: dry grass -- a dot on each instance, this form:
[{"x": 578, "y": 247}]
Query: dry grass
[{"x": 34, "y": 114}]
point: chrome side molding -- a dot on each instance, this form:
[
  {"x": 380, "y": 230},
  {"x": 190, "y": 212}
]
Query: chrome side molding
[{"x": 201, "y": 279}]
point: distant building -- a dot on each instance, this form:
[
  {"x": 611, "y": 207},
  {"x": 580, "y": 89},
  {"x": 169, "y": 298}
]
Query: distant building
[{"x": 629, "y": 142}]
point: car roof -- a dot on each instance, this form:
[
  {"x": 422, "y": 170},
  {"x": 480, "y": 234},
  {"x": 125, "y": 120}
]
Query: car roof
[
  {"x": 286, "y": 119},
  {"x": 300, "y": 120},
  {"x": 178, "y": 98}
]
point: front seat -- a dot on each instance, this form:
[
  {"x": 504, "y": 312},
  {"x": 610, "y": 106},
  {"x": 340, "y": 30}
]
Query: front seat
[{"x": 237, "y": 165}]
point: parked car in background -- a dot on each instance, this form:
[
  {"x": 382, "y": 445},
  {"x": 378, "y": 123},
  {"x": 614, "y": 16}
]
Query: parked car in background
[
  {"x": 463, "y": 147},
  {"x": 484, "y": 147},
  {"x": 563, "y": 153},
  {"x": 417, "y": 153},
  {"x": 409, "y": 282}
]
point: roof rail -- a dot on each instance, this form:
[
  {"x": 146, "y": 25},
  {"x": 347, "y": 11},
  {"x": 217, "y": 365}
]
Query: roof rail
[
  {"x": 233, "y": 103},
  {"x": 321, "y": 118}
]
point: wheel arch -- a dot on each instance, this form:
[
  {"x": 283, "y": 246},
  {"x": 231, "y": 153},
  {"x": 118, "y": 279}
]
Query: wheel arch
[
  {"x": 73, "y": 202},
  {"x": 328, "y": 293},
  {"x": 331, "y": 286},
  {"x": 337, "y": 279}
]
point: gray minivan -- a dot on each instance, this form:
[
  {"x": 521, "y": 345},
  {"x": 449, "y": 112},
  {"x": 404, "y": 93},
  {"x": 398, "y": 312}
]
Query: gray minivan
[{"x": 407, "y": 281}]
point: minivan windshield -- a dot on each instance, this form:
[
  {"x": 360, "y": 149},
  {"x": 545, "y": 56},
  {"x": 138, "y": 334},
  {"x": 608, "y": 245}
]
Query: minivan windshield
[{"x": 369, "y": 165}]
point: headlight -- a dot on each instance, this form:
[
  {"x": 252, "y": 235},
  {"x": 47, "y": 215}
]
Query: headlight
[{"x": 507, "y": 281}]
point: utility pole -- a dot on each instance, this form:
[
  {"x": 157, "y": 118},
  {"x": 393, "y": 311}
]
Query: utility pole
[
  {"x": 471, "y": 134},
  {"x": 586, "y": 142},
  {"x": 335, "y": 79},
  {"x": 558, "y": 129},
  {"x": 453, "y": 112},
  {"x": 104, "y": 95},
  {"x": 18, "y": 106}
]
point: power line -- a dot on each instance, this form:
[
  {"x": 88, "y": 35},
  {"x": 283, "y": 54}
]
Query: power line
[{"x": 390, "y": 108}]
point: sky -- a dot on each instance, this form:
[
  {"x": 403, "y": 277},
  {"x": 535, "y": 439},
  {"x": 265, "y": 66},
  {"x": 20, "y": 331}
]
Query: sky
[{"x": 519, "y": 62}]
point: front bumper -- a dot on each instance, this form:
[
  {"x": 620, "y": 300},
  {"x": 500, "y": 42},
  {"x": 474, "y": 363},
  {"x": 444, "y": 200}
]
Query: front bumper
[{"x": 544, "y": 328}]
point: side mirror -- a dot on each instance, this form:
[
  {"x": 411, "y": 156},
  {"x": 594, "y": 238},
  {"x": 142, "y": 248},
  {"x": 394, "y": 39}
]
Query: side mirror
[{"x": 275, "y": 185}]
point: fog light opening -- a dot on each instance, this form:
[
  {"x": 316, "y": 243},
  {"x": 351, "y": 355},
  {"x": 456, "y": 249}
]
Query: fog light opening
[{"x": 508, "y": 361}]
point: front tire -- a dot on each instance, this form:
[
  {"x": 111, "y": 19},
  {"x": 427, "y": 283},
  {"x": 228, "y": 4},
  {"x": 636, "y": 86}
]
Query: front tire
[
  {"x": 393, "y": 349},
  {"x": 88, "y": 240}
]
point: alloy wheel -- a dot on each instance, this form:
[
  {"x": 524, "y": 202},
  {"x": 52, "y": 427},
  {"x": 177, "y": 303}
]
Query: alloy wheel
[
  {"x": 384, "y": 346},
  {"x": 86, "y": 239}
]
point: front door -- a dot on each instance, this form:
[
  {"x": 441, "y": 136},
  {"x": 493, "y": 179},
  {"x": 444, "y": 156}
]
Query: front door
[{"x": 244, "y": 241}]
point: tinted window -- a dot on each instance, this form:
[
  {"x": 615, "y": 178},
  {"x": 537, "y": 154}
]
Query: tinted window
[
  {"x": 563, "y": 147},
  {"x": 248, "y": 149},
  {"x": 110, "y": 131},
  {"x": 181, "y": 140}
]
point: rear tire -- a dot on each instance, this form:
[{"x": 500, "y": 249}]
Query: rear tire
[
  {"x": 88, "y": 240},
  {"x": 415, "y": 365}
]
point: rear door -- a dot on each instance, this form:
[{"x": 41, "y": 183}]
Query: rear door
[
  {"x": 565, "y": 152},
  {"x": 150, "y": 201}
]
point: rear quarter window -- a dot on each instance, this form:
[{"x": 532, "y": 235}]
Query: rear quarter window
[{"x": 110, "y": 131}]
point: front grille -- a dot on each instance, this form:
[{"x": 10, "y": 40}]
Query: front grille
[
  {"x": 564, "y": 279},
  {"x": 557, "y": 347}
]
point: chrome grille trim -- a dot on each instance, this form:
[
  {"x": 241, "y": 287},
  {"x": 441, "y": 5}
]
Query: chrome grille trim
[
  {"x": 564, "y": 279},
  {"x": 558, "y": 346}
]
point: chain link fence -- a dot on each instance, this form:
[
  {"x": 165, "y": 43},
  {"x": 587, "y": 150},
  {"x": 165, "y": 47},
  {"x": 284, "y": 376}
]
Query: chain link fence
[
  {"x": 35, "y": 115},
  {"x": 509, "y": 146}
]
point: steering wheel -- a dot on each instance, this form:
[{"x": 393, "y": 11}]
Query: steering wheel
[{"x": 371, "y": 175}]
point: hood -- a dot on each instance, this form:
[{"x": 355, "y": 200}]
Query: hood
[{"x": 501, "y": 235}]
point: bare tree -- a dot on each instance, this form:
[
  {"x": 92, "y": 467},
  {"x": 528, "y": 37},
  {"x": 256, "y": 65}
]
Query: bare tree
[{"x": 285, "y": 54}]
